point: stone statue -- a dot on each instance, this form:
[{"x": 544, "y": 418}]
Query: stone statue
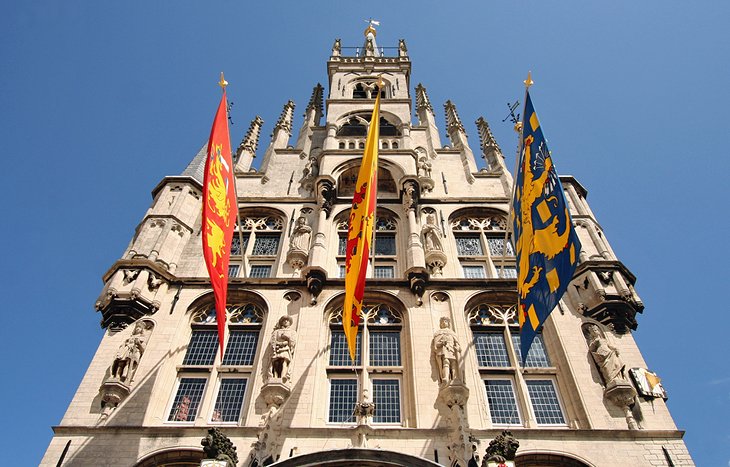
[
  {"x": 301, "y": 235},
  {"x": 410, "y": 195},
  {"x": 606, "y": 356},
  {"x": 431, "y": 234},
  {"x": 283, "y": 341},
  {"x": 501, "y": 449},
  {"x": 129, "y": 354},
  {"x": 424, "y": 167},
  {"x": 446, "y": 349},
  {"x": 217, "y": 446},
  {"x": 311, "y": 170}
]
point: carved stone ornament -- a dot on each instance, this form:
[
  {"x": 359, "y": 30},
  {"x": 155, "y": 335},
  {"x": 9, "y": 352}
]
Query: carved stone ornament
[
  {"x": 446, "y": 352},
  {"x": 130, "y": 353},
  {"x": 618, "y": 390},
  {"x": 283, "y": 342},
  {"x": 501, "y": 449},
  {"x": 217, "y": 446}
]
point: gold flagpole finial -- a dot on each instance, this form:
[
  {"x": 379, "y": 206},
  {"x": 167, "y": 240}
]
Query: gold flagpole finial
[
  {"x": 528, "y": 82},
  {"x": 222, "y": 83}
]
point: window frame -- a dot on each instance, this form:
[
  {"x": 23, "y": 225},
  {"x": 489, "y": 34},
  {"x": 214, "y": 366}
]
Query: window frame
[
  {"x": 171, "y": 403},
  {"x": 499, "y": 319},
  {"x": 366, "y": 372},
  {"x": 484, "y": 227},
  {"x": 216, "y": 394}
]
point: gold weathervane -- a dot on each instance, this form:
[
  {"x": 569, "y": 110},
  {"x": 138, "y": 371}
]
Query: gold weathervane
[{"x": 222, "y": 83}]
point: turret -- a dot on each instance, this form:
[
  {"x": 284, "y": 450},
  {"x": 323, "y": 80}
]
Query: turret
[
  {"x": 426, "y": 117},
  {"x": 457, "y": 136},
  {"x": 246, "y": 151}
]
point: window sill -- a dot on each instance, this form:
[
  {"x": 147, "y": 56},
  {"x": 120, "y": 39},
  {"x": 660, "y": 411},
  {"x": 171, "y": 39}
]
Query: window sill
[{"x": 194, "y": 368}]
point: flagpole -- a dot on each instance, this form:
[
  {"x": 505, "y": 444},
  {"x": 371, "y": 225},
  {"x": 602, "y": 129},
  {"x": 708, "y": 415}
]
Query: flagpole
[{"x": 510, "y": 224}]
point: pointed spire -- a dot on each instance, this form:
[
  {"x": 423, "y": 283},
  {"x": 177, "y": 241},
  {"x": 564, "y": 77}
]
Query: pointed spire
[
  {"x": 250, "y": 142},
  {"x": 453, "y": 122},
  {"x": 486, "y": 138},
  {"x": 285, "y": 120},
  {"x": 315, "y": 104},
  {"x": 422, "y": 101}
]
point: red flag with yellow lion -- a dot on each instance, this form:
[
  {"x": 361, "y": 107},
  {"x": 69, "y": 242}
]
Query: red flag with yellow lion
[{"x": 219, "y": 212}]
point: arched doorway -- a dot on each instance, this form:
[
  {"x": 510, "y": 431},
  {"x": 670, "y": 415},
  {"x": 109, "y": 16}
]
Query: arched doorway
[
  {"x": 356, "y": 458},
  {"x": 547, "y": 460},
  {"x": 179, "y": 457}
]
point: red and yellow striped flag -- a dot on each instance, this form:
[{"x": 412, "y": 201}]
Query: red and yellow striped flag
[
  {"x": 360, "y": 232},
  {"x": 219, "y": 211}
]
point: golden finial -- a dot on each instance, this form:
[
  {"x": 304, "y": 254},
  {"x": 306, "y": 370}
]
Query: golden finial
[
  {"x": 222, "y": 83},
  {"x": 528, "y": 82},
  {"x": 371, "y": 22}
]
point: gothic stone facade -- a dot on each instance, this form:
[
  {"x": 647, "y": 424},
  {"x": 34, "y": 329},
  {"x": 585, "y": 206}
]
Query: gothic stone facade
[{"x": 424, "y": 390}]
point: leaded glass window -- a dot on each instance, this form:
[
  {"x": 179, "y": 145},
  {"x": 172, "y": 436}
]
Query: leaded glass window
[
  {"x": 502, "y": 402},
  {"x": 545, "y": 402},
  {"x": 469, "y": 246},
  {"x": 343, "y": 396},
  {"x": 342, "y": 244},
  {"x": 260, "y": 271},
  {"x": 236, "y": 244},
  {"x": 233, "y": 270},
  {"x": 491, "y": 349},
  {"x": 384, "y": 348},
  {"x": 202, "y": 347},
  {"x": 340, "y": 353},
  {"x": 384, "y": 244},
  {"x": 187, "y": 400},
  {"x": 384, "y": 272},
  {"x": 241, "y": 347},
  {"x": 536, "y": 357},
  {"x": 386, "y": 395},
  {"x": 507, "y": 272},
  {"x": 497, "y": 247},
  {"x": 381, "y": 330},
  {"x": 230, "y": 400},
  {"x": 266, "y": 245},
  {"x": 474, "y": 272}
]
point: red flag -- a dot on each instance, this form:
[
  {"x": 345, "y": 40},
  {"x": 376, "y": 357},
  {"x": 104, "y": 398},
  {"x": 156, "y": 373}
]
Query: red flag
[
  {"x": 360, "y": 232},
  {"x": 219, "y": 212}
]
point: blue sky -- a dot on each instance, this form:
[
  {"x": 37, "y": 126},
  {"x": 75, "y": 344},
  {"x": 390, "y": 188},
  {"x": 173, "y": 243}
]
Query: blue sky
[{"x": 100, "y": 100}]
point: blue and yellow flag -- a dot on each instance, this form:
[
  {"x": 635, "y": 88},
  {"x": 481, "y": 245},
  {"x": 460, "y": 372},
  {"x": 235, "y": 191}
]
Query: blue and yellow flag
[{"x": 547, "y": 245}]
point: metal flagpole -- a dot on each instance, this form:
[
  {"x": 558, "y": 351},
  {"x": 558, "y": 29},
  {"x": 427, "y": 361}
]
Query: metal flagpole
[{"x": 510, "y": 225}]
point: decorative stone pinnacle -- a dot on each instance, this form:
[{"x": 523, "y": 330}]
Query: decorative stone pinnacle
[
  {"x": 285, "y": 120},
  {"x": 250, "y": 142},
  {"x": 315, "y": 103},
  {"x": 486, "y": 138},
  {"x": 453, "y": 122},
  {"x": 422, "y": 101}
]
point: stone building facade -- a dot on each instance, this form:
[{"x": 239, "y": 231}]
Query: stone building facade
[{"x": 437, "y": 374}]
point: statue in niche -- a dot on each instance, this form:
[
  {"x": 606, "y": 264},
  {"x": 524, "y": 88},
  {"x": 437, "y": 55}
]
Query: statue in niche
[
  {"x": 129, "y": 354},
  {"x": 311, "y": 170},
  {"x": 431, "y": 234},
  {"x": 283, "y": 341},
  {"x": 446, "y": 350},
  {"x": 424, "y": 167},
  {"x": 301, "y": 235},
  {"x": 606, "y": 357},
  {"x": 409, "y": 195}
]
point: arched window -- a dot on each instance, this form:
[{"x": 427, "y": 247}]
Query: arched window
[
  {"x": 244, "y": 325},
  {"x": 367, "y": 90},
  {"x": 357, "y": 126},
  {"x": 348, "y": 179},
  {"x": 481, "y": 246},
  {"x": 495, "y": 332},
  {"x": 261, "y": 253},
  {"x": 378, "y": 365},
  {"x": 386, "y": 254}
]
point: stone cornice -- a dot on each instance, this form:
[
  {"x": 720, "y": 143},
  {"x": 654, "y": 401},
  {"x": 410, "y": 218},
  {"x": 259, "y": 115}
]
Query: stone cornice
[
  {"x": 396, "y": 431},
  {"x": 175, "y": 178}
]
